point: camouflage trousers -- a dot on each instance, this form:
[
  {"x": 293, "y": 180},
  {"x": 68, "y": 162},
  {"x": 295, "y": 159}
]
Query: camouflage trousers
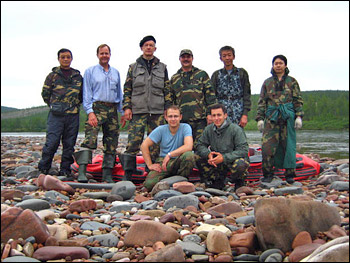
[
  {"x": 136, "y": 132},
  {"x": 273, "y": 136},
  {"x": 197, "y": 129},
  {"x": 216, "y": 175},
  {"x": 181, "y": 165},
  {"x": 107, "y": 118}
]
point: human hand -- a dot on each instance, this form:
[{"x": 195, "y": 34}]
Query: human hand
[
  {"x": 261, "y": 125},
  {"x": 155, "y": 167},
  {"x": 165, "y": 162},
  {"x": 92, "y": 119},
  {"x": 215, "y": 158},
  {"x": 244, "y": 120},
  {"x": 123, "y": 121},
  {"x": 298, "y": 123},
  {"x": 128, "y": 114}
]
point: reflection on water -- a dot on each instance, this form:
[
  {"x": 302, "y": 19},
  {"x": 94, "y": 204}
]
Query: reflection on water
[{"x": 333, "y": 144}]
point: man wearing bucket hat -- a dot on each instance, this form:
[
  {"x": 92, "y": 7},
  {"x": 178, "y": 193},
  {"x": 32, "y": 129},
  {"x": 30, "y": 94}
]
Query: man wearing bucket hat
[
  {"x": 192, "y": 91},
  {"x": 146, "y": 96}
]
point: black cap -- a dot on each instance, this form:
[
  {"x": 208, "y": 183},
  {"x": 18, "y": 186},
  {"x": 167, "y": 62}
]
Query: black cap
[{"x": 147, "y": 38}]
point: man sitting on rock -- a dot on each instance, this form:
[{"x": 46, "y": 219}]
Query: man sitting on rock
[
  {"x": 223, "y": 150},
  {"x": 176, "y": 142}
]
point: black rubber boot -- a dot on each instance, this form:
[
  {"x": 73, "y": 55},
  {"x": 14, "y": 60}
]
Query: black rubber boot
[
  {"x": 239, "y": 183},
  {"x": 107, "y": 168},
  {"x": 129, "y": 166},
  {"x": 267, "y": 179},
  {"x": 83, "y": 158}
]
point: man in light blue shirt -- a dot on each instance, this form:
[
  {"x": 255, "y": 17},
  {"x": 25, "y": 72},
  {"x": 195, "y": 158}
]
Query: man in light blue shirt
[
  {"x": 102, "y": 99},
  {"x": 176, "y": 143}
]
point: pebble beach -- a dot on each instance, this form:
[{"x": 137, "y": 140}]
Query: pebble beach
[{"x": 47, "y": 219}]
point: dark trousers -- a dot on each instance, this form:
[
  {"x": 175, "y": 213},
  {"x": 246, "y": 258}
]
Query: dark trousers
[{"x": 60, "y": 128}]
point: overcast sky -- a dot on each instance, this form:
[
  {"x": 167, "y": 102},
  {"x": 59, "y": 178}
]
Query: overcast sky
[{"x": 314, "y": 36}]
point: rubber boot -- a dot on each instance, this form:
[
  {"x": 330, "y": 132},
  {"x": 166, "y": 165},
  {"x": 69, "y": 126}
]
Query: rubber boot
[
  {"x": 267, "y": 179},
  {"x": 289, "y": 178},
  {"x": 129, "y": 166},
  {"x": 239, "y": 183},
  {"x": 107, "y": 168},
  {"x": 83, "y": 158}
]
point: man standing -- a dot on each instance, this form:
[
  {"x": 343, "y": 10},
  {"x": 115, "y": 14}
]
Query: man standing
[
  {"x": 232, "y": 87},
  {"x": 223, "y": 150},
  {"x": 102, "y": 99},
  {"x": 146, "y": 96},
  {"x": 62, "y": 87},
  {"x": 279, "y": 113},
  {"x": 192, "y": 91},
  {"x": 176, "y": 142}
]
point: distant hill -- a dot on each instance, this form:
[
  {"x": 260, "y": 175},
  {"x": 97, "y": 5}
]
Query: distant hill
[
  {"x": 324, "y": 110},
  {"x": 7, "y": 109}
]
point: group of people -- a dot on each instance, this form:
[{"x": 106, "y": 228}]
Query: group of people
[{"x": 192, "y": 120}]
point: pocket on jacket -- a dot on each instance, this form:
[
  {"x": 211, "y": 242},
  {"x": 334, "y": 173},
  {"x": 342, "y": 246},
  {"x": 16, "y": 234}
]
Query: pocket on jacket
[{"x": 158, "y": 79}]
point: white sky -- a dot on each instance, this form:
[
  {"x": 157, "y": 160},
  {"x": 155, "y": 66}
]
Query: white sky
[{"x": 314, "y": 36}]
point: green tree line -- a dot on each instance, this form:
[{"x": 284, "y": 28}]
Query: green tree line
[{"x": 324, "y": 110}]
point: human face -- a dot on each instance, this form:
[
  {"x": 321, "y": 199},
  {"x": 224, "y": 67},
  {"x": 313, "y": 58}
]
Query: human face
[
  {"x": 103, "y": 56},
  {"x": 65, "y": 60},
  {"x": 148, "y": 49},
  {"x": 279, "y": 66},
  {"x": 186, "y": 61},
  {"x": 218, "y": 117},
  {"x": 173, "y": 117},
  {"x": 227, "y": 58}
]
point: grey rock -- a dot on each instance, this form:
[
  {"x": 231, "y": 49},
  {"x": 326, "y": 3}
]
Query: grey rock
[
  {"x": 92, "y": 225},
  {"x": 340, "y": 186},
  {"x": 34, "y": 204},
  {"x": 191, "y": 248},
  {"x": 27, "y": 187},
  {"x": 24, "y": 168},
  {"x": 275, "y": 257},
  {"x": 166, "y": 194},
  {"x": 245, "y": 220},
  {"x": 126, "y": 189},
  {"x": 181, "y": 201},
  {"x": 126, "y": 206},
  {"x": 149, "y": 205},
  {"x": 192, "y": 238},
  {"x": 100, "y": 251},
  {"x": 106, "y": 240},
  {"x": 20, "y": 259},
  {"x": 54, "y": 194},
  {"x": 200, "y": 193},
  {"x": 216, "y": 192},
  {"x": 246, "y": 257},
  {"x": 269, "y": 252},
  {"x": 289, "y": 190},
  {"x": 174, "y": 179},
  {"x": 97, "y": 195}
]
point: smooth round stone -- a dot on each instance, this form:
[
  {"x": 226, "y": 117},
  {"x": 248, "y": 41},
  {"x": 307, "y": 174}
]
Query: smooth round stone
[
  {"x": 165, "y": 194},
  {"x": 174, "y": 179},
  {"x": 289, "y": 190},
  {"x": 34, "y": 204},
  {"x": 91, "y": 225},
  {"x": 24, "y": 168},
  {"x": 275, "y": 257},
  {"x": 340, "y": 186},
  {"x": 269, "y": 252},
  {"x": 27, "y": 197},
  {"x": 73, "y": 216},
  {"x": 216, "y": 192},
  {"x": 193, "y": 238},
  {"x": 100, "y": 251},
  {"x": 246, "y": 257},
  {"x": 191, "y": 248},
  {"x": 20, "y": 259},
  {"x": 54, "y": 194},
  {"x": 106, "y": 240},
  {"x": 149, "y": 205},
  {"x": 200, "y": 193},
  {"x": 97, "y": 195},
  {"x": 27, "y": 188},
  {"x": 245, "y": 220}
]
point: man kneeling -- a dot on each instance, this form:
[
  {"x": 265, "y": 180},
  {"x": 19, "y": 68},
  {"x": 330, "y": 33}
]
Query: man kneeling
[
  {"x": 176, "y": 142},
  {"x": 223, "y": 150}
]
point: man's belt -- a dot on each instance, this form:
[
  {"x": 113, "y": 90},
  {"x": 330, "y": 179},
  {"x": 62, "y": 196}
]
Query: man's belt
[{"x": 109, "y": 104}]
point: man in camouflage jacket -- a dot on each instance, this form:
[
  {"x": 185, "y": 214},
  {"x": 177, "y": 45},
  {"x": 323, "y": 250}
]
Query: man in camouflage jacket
[
  {"x": 232, "y": 87},
  {"x": 279, "y": 113},
  {"x": 192, "y": 91},
  {"x": 64, "y": 84}
]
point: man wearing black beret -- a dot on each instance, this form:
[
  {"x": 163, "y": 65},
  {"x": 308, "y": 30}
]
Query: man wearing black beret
[{"x": 146, "y": 96}]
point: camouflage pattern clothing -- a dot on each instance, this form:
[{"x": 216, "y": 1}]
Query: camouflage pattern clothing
[
  {"x": 68, "y": 90},
  {"x": 230, "y": 140},
  {"x": 181, "y": 165},
  {"x": 147, "y": 94},
  {"x": 233, "y": 90},
  {"x": 274, "y": 95},
  {"x": 193, "y": 93},
  {"x": 107, "y": 117}
]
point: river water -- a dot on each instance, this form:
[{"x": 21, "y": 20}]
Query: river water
[{"x": 334, "y": 144}]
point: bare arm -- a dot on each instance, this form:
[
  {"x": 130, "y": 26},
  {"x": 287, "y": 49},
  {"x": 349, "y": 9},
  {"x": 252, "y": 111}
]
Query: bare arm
[{"x": 147, "y": 143}]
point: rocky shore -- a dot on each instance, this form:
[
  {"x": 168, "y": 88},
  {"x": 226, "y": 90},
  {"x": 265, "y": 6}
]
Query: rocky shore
[{"x": 44, "y": 219}]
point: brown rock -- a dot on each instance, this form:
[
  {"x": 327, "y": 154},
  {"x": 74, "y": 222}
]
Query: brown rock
[
  {"x": 226, "y": 208},
  {"x": 51, "y": 241},
  {"x": 184, "y": 187},
  {"x": 303, "y": 251},
  {"x": 170, "y": 253},
  {"x": 49, "y": 182},
  {"x": 140, "y": 198},
  {"x": 278, "y": 220},
  {"x": 246, "y": 239},
  {"x": 217, "y": 242},
  {"x": 335, "y": 231},
  {"x": 158, "y": 245},
  {"x": 223, "y": 258},
  {"x": 82, "y": 205},
  {"x": 146, "y": 233},
  {"x": 16, "y": 223},
  {"x": 10, "y": 194},
  {"x": 81, "y": 242},
  {"x": 55, "y": 252},
  {"x": 245, "y": 189},
  {"x": 302, "y": 238}
]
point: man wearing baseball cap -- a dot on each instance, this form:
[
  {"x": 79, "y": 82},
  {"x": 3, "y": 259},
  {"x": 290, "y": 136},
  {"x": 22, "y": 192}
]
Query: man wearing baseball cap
[
  {"x": 146, "y": 96},
  {"x": 192, "y": 91}
]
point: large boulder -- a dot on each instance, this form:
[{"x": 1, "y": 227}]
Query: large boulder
[
  {"x": 278, "y": 220},
  {"x": 16, "y": 223}
]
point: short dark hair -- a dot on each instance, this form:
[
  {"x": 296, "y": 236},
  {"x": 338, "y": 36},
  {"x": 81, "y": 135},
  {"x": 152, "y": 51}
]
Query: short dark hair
[
  {"x": 173, "y": 107},
  {"x": 218, "y": 106},
  {"x": 62, "y": 50},
  {"x": 281, "y": 57},
  {"x": 227, "y": 48},
  {"x": 101, "y": 46}
]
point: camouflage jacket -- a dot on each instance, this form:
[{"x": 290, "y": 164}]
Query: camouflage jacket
[
  {"x": 144, "y": 92},
  {"x": 274, "y": 92},
  {"x": 58, "y": 88},
  {"x": 193, "y": 93},
  {"x": 225, "y": 86}
]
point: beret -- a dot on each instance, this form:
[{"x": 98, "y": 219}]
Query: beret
[{"x": 147, "y": 38}]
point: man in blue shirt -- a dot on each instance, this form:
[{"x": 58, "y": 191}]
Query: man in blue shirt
[
  {"x": 176, "y": 143},
  {"x": 102, "y": 99}
]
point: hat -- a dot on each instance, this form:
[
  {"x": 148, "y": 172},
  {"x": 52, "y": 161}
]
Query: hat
[
  {"x": 147, "y": 38},
  {"x": 186, "y": 51}
]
